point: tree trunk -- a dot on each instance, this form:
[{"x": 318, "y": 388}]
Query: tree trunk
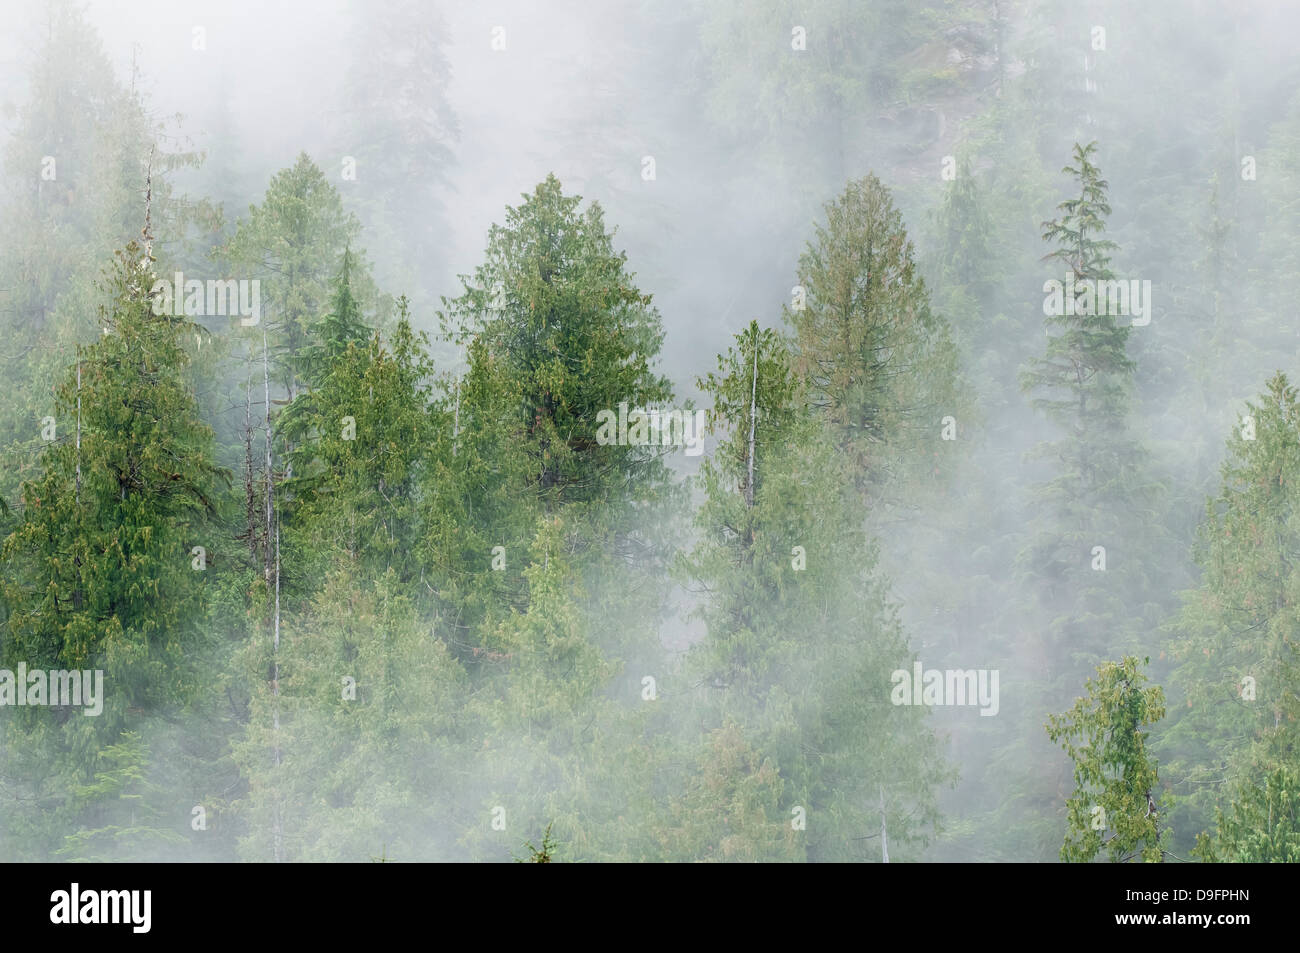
[
  {"x": 753, "y": 426},
  {"x": 277, "y": 833},
  {"x": 250, "y": 497},
  {"x": 455, "y": 424},
  {"x": 884, "y": 833}
]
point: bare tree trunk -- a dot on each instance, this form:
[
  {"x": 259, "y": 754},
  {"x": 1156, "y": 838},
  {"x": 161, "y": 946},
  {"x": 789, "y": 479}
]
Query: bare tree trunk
[
  {"x": 277, "y": 832},
  {"x": 884, "y": 833},
  {"x": 77, "y": 594},
  {"x": 455, "y": 424},
  {"x": 753, "y": 426},
  {"x": 270, "y": 480},
  {"x": 250, "y": 497},
  {"x": 78, "y": 431}
]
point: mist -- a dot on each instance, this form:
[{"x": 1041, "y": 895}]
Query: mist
[{"x": 364, "y": 578}]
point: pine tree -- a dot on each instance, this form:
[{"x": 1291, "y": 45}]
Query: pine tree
[
  {"x": 557, "y": 338},
  {"x": 360, "y": 438},
  {"x": 798, "y": 87},
  {"x": 101, "y": 568},
  {"x": 1262, "y": 826},
  {"x": 108, "y": 528},
  {"x": 366, "y": 721},
  {"x": 342, "y": 325},
  {"x": 292, "y": 244},
  {"x": 74, "y": 160},
  {"x": 879, "y": 364},
  {"x": 1233, "y": 640},
  {"x": 355, "y": 441},
  {"x": 1090, "y": 565},
  {"x": 964, "y": 261},
  {"x": 733, "y": 808},
  {"x": 1083, "y": 378},
  {"x": 802, "y": 636},
  {"x": 567, "y": 334},
  {"x": 1095, "y": 564},
  {"x": 399, "y": 129}
]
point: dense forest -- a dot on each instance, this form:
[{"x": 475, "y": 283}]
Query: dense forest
[{"x": 847, "y": 430}]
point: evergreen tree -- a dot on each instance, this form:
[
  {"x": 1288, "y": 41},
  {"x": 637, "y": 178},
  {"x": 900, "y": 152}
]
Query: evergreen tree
[
  {"x": 1116, "y": 803},
  {"x": 879, "y": 364},
  {"x": 1082, "y": 380},
  {"x": 1091, "y": 567},
  {"x": 101, "y": 568},
  {"x": 357, "y": 742},
  {"x": 399, "y": 129},
  {"x": 125, "y": 494},
  {"x": 74, "y": 161},
  {"x": 342, "y": 325},
  {"x": 558, "y": 338},
  {"x": 802, "y": 637},
  {"x": 292, "y": 244},
  {"x": 1233, "y": 640},
  {"x": 1262, "y": 825}
]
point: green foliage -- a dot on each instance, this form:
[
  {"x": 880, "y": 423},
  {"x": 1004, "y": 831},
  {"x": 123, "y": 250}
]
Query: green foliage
[
  {"x": 801, "y": 635},
  {"x": 99, "y": 570},
  {"x": 1234, "y": 639},
  {"x": 120, "y": 804},
  {"x": 1262, "y": 826},
  {"x": 359, "y": 440},
  {"x": 356, "y": 740},
  {"x": 103, "y": 549},
  {"x": 555, "y": 333},
  {"x": 563, "y": 334},
  {"x": 543, "y": 855},
  {"x": 1116, "y": 802},
  {"x": 66, "y": 219},
  {"x": 441, "y": 595},
  {"x": 292, "y": 243},
  {"x": 1083, "y": 379},
  {"x": 880, "y": 365},
  {"x": 1100, "y": 490}
]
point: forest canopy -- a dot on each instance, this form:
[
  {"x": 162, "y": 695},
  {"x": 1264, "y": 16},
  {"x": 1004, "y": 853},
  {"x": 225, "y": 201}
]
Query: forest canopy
[{"x": 650, "y": 432}]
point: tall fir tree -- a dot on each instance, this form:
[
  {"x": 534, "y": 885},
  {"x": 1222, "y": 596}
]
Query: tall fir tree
[
  {"x": 879, "y": 362},
  {"x": 802, "y": 635},
  {"x": 106, "y": 567},
  {"x": 1237, "y": 665}
]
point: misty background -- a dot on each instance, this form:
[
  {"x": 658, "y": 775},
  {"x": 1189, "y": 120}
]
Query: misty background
[{"x": 966, "y": 111}]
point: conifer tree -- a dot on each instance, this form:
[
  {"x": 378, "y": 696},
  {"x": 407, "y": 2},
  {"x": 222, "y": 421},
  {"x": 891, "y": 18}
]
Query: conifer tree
[
  {"x": 399, "y": 130},
  {"x": 1116, "y": 802},
  {"x": 566, "y": 334},
  {"x": 879, "y": 363},
  {"x": 1238, "y": 670},
  {"x": 292, "y": 244},
  {"x": 127, "y": 490},
  {"x": 73, "y": 161},
  {"x": 106, "y": 568},
  {"x": 1090, "y": 565},
  {"x": 1082, "y": 379},
  {"x": 802, "y": 636},
  {"x": 1262, "y": 825},
  {"x": 558, "y": 338}
]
